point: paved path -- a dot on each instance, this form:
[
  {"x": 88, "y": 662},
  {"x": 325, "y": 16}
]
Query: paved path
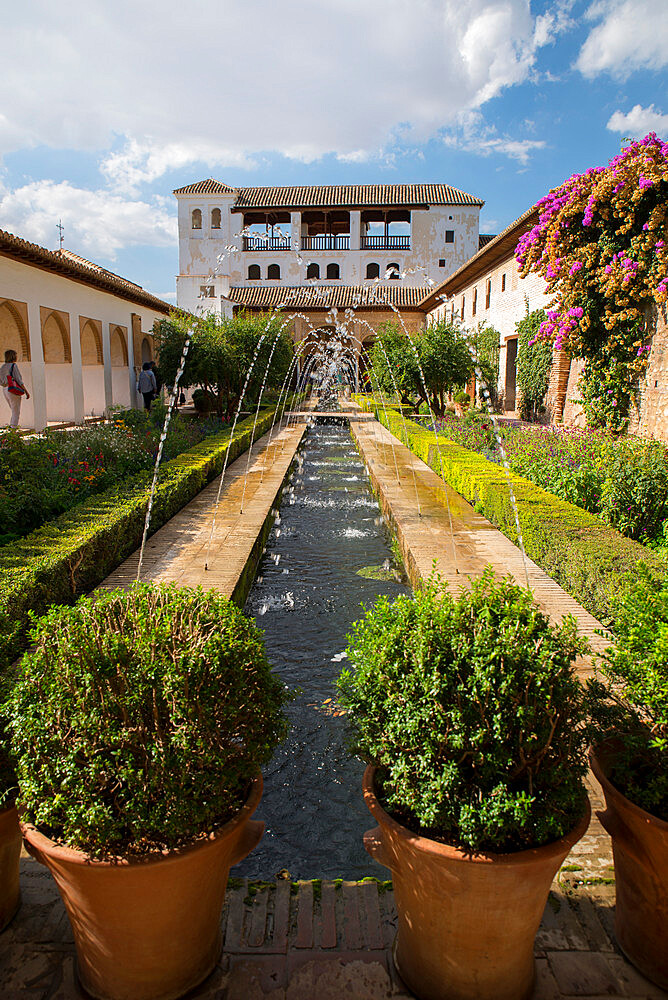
[{"x": 177, "y": 552}]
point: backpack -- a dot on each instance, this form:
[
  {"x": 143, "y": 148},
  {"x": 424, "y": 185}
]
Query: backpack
[{"x": 13, "y": 386}]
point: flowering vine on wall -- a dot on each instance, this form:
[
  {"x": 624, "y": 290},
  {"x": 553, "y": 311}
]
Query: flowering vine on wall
[{"x": 601, "y": 246}]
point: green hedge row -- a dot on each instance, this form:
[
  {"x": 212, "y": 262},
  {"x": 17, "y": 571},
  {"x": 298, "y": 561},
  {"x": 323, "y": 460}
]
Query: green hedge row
[
  {"x": 76, "y": 551},
  {"x": 586, "y": 557}
]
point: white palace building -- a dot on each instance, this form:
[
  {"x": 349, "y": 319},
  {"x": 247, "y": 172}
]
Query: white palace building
[{"x": 258, "y": 247}]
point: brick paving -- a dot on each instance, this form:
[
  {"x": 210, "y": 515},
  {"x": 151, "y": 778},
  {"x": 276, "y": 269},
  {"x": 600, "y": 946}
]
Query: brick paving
[{"x": 299, "y": 941}]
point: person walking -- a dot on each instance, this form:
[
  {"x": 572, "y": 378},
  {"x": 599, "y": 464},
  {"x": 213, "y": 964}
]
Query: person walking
[
  {"x": 147, "y": 385},
  {"x": 12, "y": 387}
]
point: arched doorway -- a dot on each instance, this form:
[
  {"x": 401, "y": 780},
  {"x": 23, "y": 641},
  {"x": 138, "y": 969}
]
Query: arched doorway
[
  {"x": 146, "y": 351},
  {"x": 14, "y": 337},
  {"x": 120, "y": 381},
  {"x": 92, "y": 367},
  {"x": 57, "y": 367}
]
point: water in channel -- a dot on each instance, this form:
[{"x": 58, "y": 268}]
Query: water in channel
[{"x": 307, "y": 594}]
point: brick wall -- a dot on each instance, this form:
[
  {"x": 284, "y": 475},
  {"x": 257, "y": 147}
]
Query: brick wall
[{"x": 650, "y": 419}]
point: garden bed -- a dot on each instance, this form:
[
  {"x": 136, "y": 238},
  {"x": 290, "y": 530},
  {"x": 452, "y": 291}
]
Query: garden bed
[
  {"x": 72, "y": 553},
  {"x": 586, "y": 557}
]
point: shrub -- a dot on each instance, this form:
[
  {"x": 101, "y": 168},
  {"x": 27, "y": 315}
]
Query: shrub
[
  {"x": 140, "y": 718},
  {"x": 634, "y": 498},
  {"x": 472, "y": 712},
  {"x": 637, "y": 670},
  {"x": 463, "y": 399}
]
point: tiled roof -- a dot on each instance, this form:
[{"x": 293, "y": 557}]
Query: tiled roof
[
  {"x": 69, "y": 265},
  {"x": 499, "y": 248},
  {"x": 209, "y": 186},
  {"x": 374, "y": 296},
  {"x": 353, "y": 196},
  {"x": 336, "y": 195},
  {"x": 484, "y": 240}
]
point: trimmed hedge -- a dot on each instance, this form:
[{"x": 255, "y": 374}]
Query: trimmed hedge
[
  {"x": 586, "y": 557},
  {"x": 73, "y": 553}
]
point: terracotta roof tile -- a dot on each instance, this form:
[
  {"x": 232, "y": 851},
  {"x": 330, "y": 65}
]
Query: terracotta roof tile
[
  {"x": 70, "y": 265},
  {"x": 209, "y": 186},
  {"x": 484, "y": 240},
  {"x": 336, "y": 195},
  {"x": 373, "y": 296}
]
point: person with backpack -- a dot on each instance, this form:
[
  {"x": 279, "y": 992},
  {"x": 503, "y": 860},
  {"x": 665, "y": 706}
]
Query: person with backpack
[
  {"x": 147, "y": 385},
  {"x": 12, "y": 387}
]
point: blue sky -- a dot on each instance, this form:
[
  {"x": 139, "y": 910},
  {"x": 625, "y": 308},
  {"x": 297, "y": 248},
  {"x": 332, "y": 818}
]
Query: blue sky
[{"x": 104, "y": 109}]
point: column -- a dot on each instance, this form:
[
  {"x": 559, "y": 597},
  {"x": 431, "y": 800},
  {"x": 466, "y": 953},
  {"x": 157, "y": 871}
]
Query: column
[
  {"x": 37, "y": 365},
  {"x": 355, "y": 230},
  {"x": 106, "y": 359},
  {"x": 77, "y": 370},
  {"x": 295, "y": 232},
  {"x": 134, "y": 352}
]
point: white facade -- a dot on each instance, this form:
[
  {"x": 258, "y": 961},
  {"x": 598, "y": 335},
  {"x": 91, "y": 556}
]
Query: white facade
[
  {"x": 79, "y": 346},
  {"x": 224, "y": 245}
]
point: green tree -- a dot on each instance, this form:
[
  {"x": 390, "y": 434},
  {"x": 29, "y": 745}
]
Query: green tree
[
  {"x": 446, "y": 360},
  {"x": 221, "y": 354},
  {"x": 484, "y": 341},
  {"x": 534, "y": 361},
  {"x": 394, "y": 362}
]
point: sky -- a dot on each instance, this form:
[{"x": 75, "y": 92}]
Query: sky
[{"x": 106, "y": 107}]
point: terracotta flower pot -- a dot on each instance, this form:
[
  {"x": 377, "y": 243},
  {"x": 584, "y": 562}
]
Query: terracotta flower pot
[
  {"x": 640, "y": 852},
  {"x": 149, "y": 929},
  {"x": 10, "y": 852},
  {"x": 467, "y": 922}
]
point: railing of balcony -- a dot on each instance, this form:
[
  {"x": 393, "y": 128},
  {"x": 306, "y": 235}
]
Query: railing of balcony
[
  {"x": 266, "y": 243},
  {"x": 385, "y": 242},
  {"x": 326, "y": 242}
]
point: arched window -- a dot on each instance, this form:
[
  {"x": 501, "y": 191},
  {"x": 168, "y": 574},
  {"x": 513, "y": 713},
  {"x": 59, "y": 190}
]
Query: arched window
[
  {"x": 215, "y": 218},
  {"x": 273, "y": 272},
  {"x": 119, "y": 350},
  {"x": 333, "y": 271},
  {"x": 373, "y": 270},
  {"x": 91, "y": 344},
  {"x": 474, "y": 308},
  {"x": 392, "y": 271},
  {"x": 254, "y": 273},
  {"x": 197, "y": 218},
  {"x": 313, "y": 271},
  {"x": 463, "y": 309},
  {"x": 488, "y": 293}
]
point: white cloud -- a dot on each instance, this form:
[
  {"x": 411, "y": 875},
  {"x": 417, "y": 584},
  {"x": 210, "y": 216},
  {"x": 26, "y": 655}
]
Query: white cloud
[
  {"x": 637, "y": 122},
  {"x": 474, "y": 136},
  {"x": 168, "y": 85},
  {"x": 630, "y": 35},
  {"x": 97, "y": 223}
]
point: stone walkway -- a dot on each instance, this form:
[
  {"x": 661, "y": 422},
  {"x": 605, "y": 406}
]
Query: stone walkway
[
  {"x": 324, "y": 940},
  {"x": 177, "y": 552}
]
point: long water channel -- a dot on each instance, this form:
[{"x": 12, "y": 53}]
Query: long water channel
[{"x": 307, "y": 594}]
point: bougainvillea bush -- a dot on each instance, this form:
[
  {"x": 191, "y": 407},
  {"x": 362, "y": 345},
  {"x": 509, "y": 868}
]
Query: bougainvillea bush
[
  {"x": 600, "y": 244},
  {"x": 622, "y": 480}
]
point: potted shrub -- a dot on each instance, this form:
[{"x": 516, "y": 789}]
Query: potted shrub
[
  {"x": 473, "y": 724},
  {"x": 139, "y": 721},
  {"x": 630, "y": 760},
  {"x": 10, "y": 837}
]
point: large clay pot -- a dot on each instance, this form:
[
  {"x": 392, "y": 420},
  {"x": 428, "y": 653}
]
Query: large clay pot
[
  {"x": 640, "y": 852},
  {"x": 467, "y": 922},
  {"x": 149, "y": 929},
  {"x": 10, "y": 852}
]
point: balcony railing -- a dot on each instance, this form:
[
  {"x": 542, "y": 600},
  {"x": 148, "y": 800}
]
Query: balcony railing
[
  {"x": 385, "y": 242},
  {"x": 266, "y": 243},
  {"x": 326, "y": 242}
]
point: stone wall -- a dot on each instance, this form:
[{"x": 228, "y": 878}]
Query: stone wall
[{"x": 650, "y": 419}]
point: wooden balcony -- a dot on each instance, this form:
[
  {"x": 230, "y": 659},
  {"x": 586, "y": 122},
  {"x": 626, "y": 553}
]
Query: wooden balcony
[
  {"x": 385, "y": 242},
  {"x": 266, "y": 243},
  {"x": 326, "y": 242}
]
